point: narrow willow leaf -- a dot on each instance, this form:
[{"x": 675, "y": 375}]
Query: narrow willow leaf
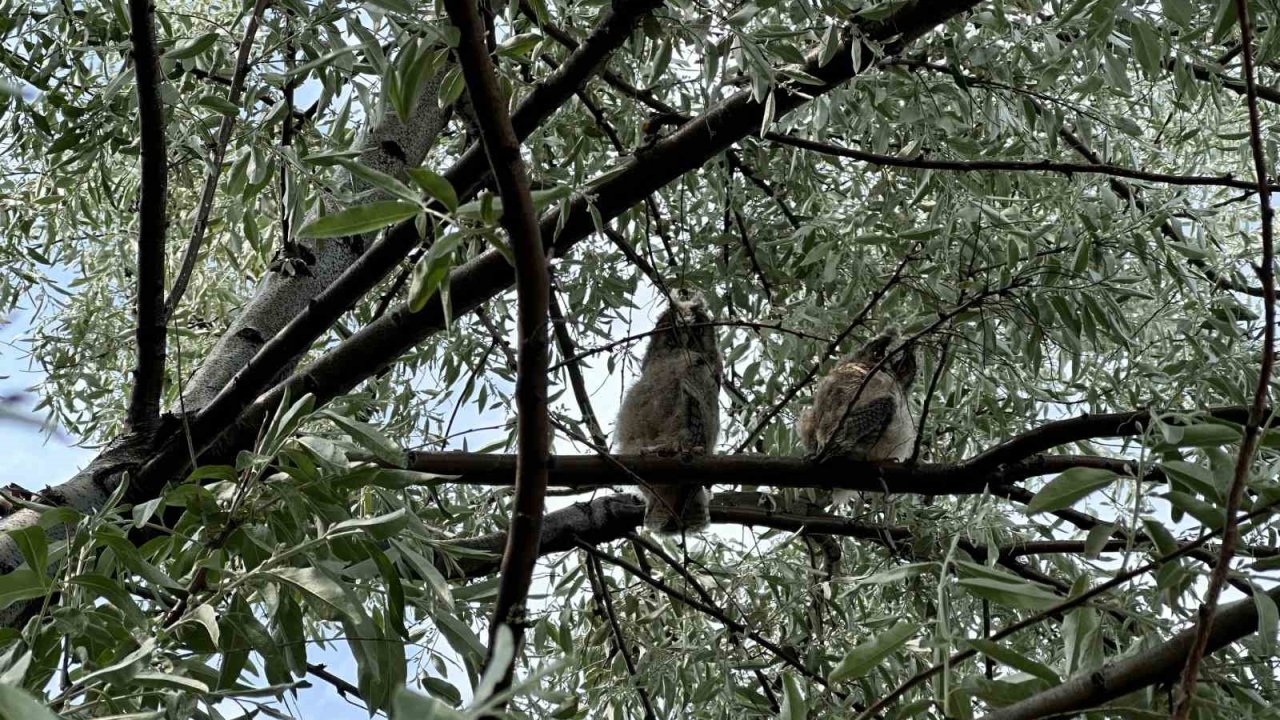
[
  {"x": 21, "y": 584},
  {"x": 378, "y": 528},
  {"x": 1014, "y": 659},
  {"x": 359, "y": 219},
  {"x": 794, "y": 706},
  {"x": 409, "y": 705},
  {"x": 863, "y": 658},
  {"x": 369, "y": 437},
  {"x": 1009, "y": 593},
  {"x": 437, "y": 186},
  {"x": 1268, "y": 619},
  {"x": 1069, "y": 487},
  {"x": 34, "y": 545},
  {"x": 18, "y": 703},
  {"x": 192, "y": 47}
]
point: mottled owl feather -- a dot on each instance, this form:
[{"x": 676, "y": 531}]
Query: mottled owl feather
[
  {"x": 674, "y": 408},
  {"x": 860, "y": 414}
]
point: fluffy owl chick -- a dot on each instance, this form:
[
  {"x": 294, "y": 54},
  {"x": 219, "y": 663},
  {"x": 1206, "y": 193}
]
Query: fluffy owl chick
[
  {"x": 673, "y": 408},
  {"x": 875, "y": 426}
]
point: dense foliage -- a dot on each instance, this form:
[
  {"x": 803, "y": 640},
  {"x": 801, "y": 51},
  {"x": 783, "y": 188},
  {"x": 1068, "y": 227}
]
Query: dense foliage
[{"x": 943, "y": 190}]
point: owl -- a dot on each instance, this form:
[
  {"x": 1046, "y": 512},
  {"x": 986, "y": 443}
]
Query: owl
[
  {"x": 673, "y": 408},
  {"x": 878, "y": 425}
]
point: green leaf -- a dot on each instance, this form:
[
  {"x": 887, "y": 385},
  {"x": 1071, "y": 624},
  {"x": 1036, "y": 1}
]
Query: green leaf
[
  {"x": 409, "y": 705},
  {"x": 1014, "y": 659},
  {"x": 380, "y": 527},
  {"x": 794, "y": 706},
  {"x": 321, "y": 592},
  {"x": 1098, "y": 537},
  {"x": 22, "y": 584},
  {"x": 437, "y": 186},
  {"x": 34, "y": 545},
  {"x": 1268, "y": 619},
  {"x": 1069, "y": 487},
  {"x": 192, "y": 47},
  {"x": 369, "y": 437},
  {"x": 451, "y": 87},
  {"x": 18, "y": 703},
  {"x": 379, "y": 180},
  {"x": 359, "y": 219},
  {"x": 898, "y": 574},
  {"x": 459, "y": 636},
  {"x": 220, "y": 104},
  {"x": 865, "y": 657},
  {"x": 1202, "y": 436},
  {"x": 1011, "y": 593}
]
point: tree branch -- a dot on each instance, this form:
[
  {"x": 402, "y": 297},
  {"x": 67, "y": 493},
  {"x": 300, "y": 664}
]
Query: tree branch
[
  {"x": 564, "y": 345},
  {"x": 219, "y": 152},
  {"x": 922, "y": 162},
  {"x": 533, "y": 292},
  {"x": 969, "y": 477},
  {"x": 1253, "y": 427},
  {"x": 1159, "y": 664},
  {"x": 153, "y": 187}
]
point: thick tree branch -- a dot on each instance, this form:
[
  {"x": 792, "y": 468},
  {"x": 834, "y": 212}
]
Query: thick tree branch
[
  {"x": 466, "y": 175},
  {"x": 216, "y": 156},
  {"x": 969, "y": 477},
  {"x": 1058, "y": 608},
  {"x": 1253, "y": 426},
  {"x": 533, "y": 290},
  {"x": 696, "y": 142},
  {"x": 1159, "y": 664},
  {"x": 153, "y": 188}
]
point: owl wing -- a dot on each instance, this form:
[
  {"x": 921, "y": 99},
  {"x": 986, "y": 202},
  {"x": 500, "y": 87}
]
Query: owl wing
[
  {"x": 693, "y": 404},
  {"x": 861, "y": 426}
]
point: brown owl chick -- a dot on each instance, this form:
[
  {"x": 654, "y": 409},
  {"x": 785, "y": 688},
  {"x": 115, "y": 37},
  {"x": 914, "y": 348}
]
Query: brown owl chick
[
  {"x": 875, "y": 426},
  {"x": 674, "y": 408}
]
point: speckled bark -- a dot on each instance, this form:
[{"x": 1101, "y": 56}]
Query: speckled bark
[{"x": 390, "y": 147}]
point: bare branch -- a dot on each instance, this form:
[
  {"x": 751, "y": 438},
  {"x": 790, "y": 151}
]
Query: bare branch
[
  {"x": 216, "y": 156},
  {"x": 1253, "y": 426},
  {"x": 148, "y": 374},
  {"x": 533, "y": 290},
  {"x": 564, "y": 345},
  {"x": 923, "y": 162}
]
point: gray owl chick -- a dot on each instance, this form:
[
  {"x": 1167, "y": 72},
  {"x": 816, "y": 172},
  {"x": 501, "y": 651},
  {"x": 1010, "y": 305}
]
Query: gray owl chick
[
  {"x": 878, "y": 425},
  {"x": 674, "y": 408}
]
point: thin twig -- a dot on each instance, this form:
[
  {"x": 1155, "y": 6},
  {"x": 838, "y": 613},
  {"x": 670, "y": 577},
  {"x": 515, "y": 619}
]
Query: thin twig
[
  {"x": 709, "y": 610},
  {"x": 153, "y": 187},
  {"x": 520, "y": 220},
  {"x": 1253, "y": 427},
  {"x": 564, "y": 345},
  {"x": 751, "y": 255},
  {"x": 594, "y": 570},
  {"x": 217, "y": 154},
  {"x": 922, "y": 162}
]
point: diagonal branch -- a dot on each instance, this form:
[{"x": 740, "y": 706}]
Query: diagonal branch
[
  {"x": 219, "y": 152},
  {"x": 148, "y": 374},
  {"x": 565, "y": 346},
  {"x": 595, "y": 573},
  {"x": 923, "y": 162},
  {"x": 688, "y": 148},
  {"x": 1149, "y": 667},
  {"x": 1058, "y": 608},
  {"x": 1253, "y": 426},
  {"x": 533, "y": 292}
]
